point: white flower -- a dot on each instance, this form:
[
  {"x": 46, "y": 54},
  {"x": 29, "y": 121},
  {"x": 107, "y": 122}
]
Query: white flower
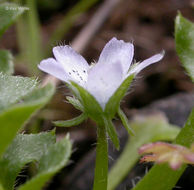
[{"x": 102, "y": 79}]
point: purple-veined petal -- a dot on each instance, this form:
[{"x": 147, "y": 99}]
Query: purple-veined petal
[
  {"x": 117, "y": 51},
  {"x": 52, "y": 67},
  {"x": 146, "y": 63},
  {"x": 103, "y": 81},
  {"x": 73, "y": 63}
]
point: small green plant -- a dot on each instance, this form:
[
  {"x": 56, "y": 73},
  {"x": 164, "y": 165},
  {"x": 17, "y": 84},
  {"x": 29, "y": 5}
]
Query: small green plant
[{"x": 97, "y": 91}]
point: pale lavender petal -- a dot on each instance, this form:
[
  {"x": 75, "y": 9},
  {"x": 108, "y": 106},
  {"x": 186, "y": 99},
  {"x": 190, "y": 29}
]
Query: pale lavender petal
[
  {"x": 52, "y": 67},
  {"x": 103, "y": 81},
  {"x": 117, "y": 51},
  {"x": 146, "y": 63},
  {"x": 73, "y": 63}
]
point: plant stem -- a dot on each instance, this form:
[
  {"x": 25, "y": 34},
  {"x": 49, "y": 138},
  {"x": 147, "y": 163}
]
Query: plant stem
[{"x": 101, "y": 169}]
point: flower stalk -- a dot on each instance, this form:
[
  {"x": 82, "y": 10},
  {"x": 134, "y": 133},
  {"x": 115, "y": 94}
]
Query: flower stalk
[
  {"x": 98, "y": 90},
  {"x": 101, "y": 168}
]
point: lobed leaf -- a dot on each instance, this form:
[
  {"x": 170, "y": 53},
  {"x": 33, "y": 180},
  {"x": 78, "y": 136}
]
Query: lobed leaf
[
  {"x": 54, "y": 159},
  {"x": 40, "y": 148},
  {"x": 24, "y": 149}
]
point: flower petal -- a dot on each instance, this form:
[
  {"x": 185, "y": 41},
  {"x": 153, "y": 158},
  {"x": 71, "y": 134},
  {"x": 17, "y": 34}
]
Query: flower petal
[
  {"x": 73, "y": 63},
  {"x": 103, "y": 80},
  {"x": 146, "y": 63},
  {"x": 117, "y": 51},
  {"x": 52, "y": 67}
]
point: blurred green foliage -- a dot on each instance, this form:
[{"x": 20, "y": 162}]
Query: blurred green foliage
[
  {"x": 184, "y": 36},
  {"x": 20, "y": 99}
]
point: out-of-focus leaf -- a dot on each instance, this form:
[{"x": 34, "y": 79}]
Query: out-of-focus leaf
[
  {"x": 151, "y": 129},
  {"x": 163, "y": 172},
  {"x": 40, "y": 148},
  {"x": 6, "y": 62},
  {"x": 72, "y": 122},
  {"x": 55, "y": 158},
  {"x": 14, "y": 88},
  {"x": 24, "y": 149},
  {"x": 184, "y": 36},
  {"x": 13, "y": 118},
  {"x": 9, "y": 12}
]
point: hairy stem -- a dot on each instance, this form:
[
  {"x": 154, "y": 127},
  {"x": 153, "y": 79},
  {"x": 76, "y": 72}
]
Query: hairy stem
[{"x": 101, "y": 169}]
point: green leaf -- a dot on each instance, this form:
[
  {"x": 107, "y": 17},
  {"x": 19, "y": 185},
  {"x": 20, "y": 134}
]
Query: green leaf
[
  {"x": 75, "y": 102},
  {"x": 14, "y": 88},
  {"x": 13, "y": 118},
  {"x": 110, "y": 128},
  {"x": 6, "y": 62},
  {"x": 184, "y": 36},
  {"x": 91, "y": 106},
  {"x": 114, "y": 102},
  {"x": 125, "y": 122},
  {"x": 9, "y": 12},
  {"x": 72, "y": 122},
  {"x": 163, "y": 172},
  {"x": 40, "y": 148},
  {"x": 50, "y": 163},
  {"x": 24, "y": 149}
]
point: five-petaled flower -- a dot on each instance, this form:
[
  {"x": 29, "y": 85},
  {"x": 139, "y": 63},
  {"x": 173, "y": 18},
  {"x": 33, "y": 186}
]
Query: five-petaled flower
[
  {"x": 161, "y": 152},
  {"x": 102, "y": 79}
]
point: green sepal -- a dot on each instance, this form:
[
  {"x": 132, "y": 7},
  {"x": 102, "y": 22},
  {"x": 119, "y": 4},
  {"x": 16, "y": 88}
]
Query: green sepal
[
  {"x": 72, "y": 122},
  {"x": 91, "y": 106},
  {"x": 6, "y": 62},
  {"x": 114, "y": 102},
  {"x": 9, "y": 12},
  {"x": 75, "y": 102},
  {"x": 110, "y": 128},
  {"x": 184, "y": 37},
  {"x": 125, "y": 122}
]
